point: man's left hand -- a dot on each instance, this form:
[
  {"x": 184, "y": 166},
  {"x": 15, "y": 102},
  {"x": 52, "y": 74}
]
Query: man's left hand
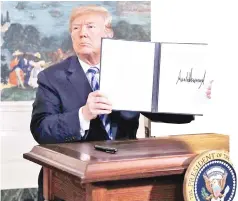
[{"x": 209, "y": 90}]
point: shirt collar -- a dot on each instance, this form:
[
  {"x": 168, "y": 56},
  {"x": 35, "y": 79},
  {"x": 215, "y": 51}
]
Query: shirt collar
[{"x": 86, "y": 66}]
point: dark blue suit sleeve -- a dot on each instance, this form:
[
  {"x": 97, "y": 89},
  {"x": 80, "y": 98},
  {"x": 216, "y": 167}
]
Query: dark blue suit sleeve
[
  {"x": 129, "y": 123},
  {"x": 48, "y": 123}
]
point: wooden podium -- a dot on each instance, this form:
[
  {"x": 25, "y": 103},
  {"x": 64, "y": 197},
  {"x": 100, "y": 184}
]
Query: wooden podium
[{"x": 142, "y": 170}]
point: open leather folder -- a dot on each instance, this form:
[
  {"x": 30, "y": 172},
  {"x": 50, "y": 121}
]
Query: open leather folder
[{"x": 155, "y": 77}]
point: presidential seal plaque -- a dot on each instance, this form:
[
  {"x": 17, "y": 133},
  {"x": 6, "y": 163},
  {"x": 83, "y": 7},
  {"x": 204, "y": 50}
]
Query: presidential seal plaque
[{"x": 210, "y": 177}]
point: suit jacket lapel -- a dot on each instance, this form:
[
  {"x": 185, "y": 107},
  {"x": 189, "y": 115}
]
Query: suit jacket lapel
[{"x": 78, "y": 79}]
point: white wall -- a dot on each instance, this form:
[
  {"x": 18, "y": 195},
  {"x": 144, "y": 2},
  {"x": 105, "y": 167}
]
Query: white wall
[{"x": 16, "y": 139}]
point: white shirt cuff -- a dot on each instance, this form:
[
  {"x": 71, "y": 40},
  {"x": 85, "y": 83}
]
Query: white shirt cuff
[{"x": 84, "y": 124}]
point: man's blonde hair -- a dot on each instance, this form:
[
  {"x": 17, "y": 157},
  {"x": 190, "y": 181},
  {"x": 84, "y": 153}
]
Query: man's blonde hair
[{"x": 91, "y": 9}]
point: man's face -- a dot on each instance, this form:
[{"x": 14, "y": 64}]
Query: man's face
[{"x": 87, "y": 31}]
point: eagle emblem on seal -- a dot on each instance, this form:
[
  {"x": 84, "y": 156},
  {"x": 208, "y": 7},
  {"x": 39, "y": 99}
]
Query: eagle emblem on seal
[{"x": 215, "y": 182}]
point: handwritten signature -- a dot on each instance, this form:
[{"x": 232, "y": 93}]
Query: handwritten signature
[{"x": 190, "y": 79}]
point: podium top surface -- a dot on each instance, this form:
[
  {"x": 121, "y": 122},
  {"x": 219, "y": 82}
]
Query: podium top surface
[{"x": 134, "y": 158}]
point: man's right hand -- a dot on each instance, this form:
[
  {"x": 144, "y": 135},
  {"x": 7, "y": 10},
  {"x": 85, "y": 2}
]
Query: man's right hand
[{"x": 97, "y": 103}]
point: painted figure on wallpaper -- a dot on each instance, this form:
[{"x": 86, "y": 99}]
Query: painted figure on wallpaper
[
  {"x": 24, "y": 67},
  {"x": 34, "y": 36}
]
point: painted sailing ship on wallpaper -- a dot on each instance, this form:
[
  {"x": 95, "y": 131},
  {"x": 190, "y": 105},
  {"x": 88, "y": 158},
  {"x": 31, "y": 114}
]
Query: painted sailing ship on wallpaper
[{"x": 34, "y": 36}]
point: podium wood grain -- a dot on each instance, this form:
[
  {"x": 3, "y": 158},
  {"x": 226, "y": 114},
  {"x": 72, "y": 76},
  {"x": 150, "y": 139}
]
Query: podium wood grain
[{"x": 142, "y": 170}]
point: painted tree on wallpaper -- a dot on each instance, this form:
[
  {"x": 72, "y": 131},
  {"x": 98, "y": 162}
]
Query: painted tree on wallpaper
[{"x": 34, "y": 35}]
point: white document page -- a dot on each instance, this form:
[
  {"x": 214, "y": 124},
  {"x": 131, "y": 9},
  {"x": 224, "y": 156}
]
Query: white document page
[
  {"x": 127, "y": 74},
  {"x": 179, "y": 64}
]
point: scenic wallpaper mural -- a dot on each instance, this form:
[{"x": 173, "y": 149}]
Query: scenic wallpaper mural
[{"x": 34, "y": 35}]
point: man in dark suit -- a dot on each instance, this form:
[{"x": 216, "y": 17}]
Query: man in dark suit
[{"x": 68, "y": 107}]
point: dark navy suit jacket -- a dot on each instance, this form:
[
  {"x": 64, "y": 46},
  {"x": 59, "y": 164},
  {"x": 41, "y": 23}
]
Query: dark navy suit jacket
[{"x": 63, "y": 89}]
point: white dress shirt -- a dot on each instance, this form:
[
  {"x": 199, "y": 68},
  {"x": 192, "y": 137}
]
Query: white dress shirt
[{"x": 85, "y": 124}]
